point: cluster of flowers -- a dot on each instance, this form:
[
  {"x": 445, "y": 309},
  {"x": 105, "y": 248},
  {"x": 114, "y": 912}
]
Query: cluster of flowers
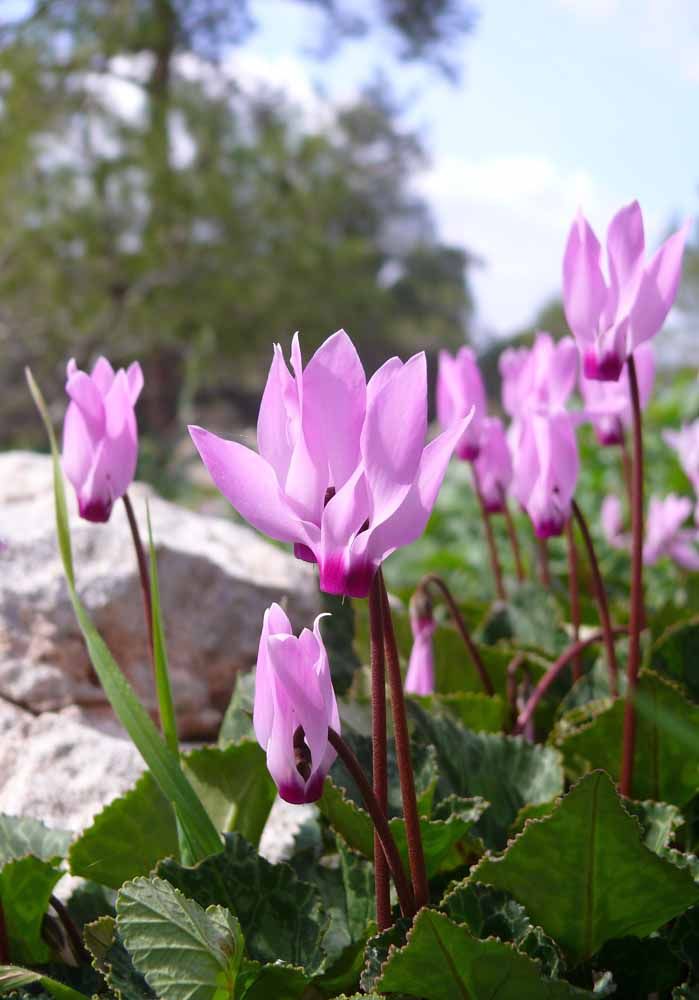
[{"x": 344, "y": 474}]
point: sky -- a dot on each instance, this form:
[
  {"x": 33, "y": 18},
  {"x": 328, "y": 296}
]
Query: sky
[{"x": 561, "y": 104}]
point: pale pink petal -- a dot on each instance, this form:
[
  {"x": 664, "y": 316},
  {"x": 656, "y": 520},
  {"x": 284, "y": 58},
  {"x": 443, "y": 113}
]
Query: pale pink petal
[
  {"x": 102, "y": 375},
  {"x": 121, "y": 436},
  {"x": 394, "y": 437},
  {"x": 85, "y": 394},
  {"x": 308, "y": 477},
  {"x": 134, "y": 377},
  {"x": 249, "y": 483},
  {"x": 625, "y": 247},
  {"x": 334, "y": 406},
  {"x": 343, "y": 517},
  {"x": 79, "y": 446},
  {"x": 584, "y": 290},
  {"x": 658, "y": 288},
  {"x": 273, "y": 423}
]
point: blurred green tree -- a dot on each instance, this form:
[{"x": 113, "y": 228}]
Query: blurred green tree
[{"x": 152, "y": 204}]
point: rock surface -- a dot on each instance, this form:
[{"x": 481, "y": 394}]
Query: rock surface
[{"x": 216, "y": 580}]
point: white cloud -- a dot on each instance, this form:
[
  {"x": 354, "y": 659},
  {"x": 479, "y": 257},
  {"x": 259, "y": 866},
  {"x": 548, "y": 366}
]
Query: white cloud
[
  {"x": 514, "y": 212},
  {"x": 592, "y": 10}
]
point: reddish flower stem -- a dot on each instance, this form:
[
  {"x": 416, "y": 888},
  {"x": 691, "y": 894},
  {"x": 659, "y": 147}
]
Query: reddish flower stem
[
  {"x": 542, "y": 550},
  {"x": 601, "y": 596},
  {"x": 490, "y": 538},
  {"x": 74, "y": 936},
  {"x": 636, "y": 616},
  {"x": 404, "y": 890},
  {"x": 574, "y": 594},
  {"x": 433, "y": 580},
  {"x": 379, "y": 749},
  {"x": 142, "y": 571},
  {"x": 514, "y": 542},
  {"x": 554, "y": 670},
  {"x": 416, "y": 856},
  {"x": 626, "y": 465}
]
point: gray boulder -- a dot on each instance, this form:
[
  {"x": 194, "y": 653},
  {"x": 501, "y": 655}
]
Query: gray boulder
[{"x": 216, "y": 579}]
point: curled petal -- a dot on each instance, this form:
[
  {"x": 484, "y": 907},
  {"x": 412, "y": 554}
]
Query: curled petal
[
  {"x": 584, "y": 290},
  {"x": 658, "y": 288}
]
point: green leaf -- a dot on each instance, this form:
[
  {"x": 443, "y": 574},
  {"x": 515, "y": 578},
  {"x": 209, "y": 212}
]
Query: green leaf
[
  {"x": 531, "y": 618},
  {"x": 114, "y": 962},
  {"x": 338, "y": 635},
  {"x": 270, "y": 982},
  {"x": 234, "y": 785},
  {"x": 675, "y": 653},
  {"x": 88, "y": 902},
  {"x": 162, "y": 762},
  {"x": 489, "y": 912},
  {"x": 128, "y": 837},
  {"x": 666, "y": 767},
  {"x": 659, "y": 821},
  {"x": 604, "y": 884},
  {"x": 683, "y": 938},
  {"x": 443, "y": 961},
  {"x": 508, "y": 772},
  {"x": 184, "y": 952},
  {"x": 12, "y": 977},
  {"x": 237, "y": 722},
  {"x": 474, "y": 709},
  {"x": 442, "y": 838},
  {"x": 377, "y": 949},
  {"x": 640, "y": 967},
  {"x": 281, "y": 916},
  {"x": 166, "y": 707},
  {"x": 22, "y": 835},
  {"x": 26, "y": 885}
]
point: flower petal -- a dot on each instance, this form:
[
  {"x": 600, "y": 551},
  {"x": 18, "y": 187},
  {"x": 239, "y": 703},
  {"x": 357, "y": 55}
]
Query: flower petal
[
  {"x": 658, "y": 288},
  {"x": 102, "y": 375},
  {"x": 249, "y": 483},
  {"x": 274, "y": 419},
  {"x": 584, "y": 290},
  {"x": 625, "y": 247}
]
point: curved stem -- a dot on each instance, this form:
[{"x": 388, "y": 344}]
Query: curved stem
[
  {"x": 601, "y": 596},
  {"x": 489, "y": 537},
  {"x": 416, "y": 856},
  {"x": 514, "y": 542},
  {"x": 72, "y": 932},
  {"x": 406, "y": 898},
  {"x": 517, "y": 663},
  {"x": 626, "y": 464},
  {"x": 637, "y": 614},
  {"x": 379, "y": 763},
  {"x": 142, "y": 570},
  {"x": 554, "y": 670},
  {"x": 457, "y": 618},
  {"x": 542, "y": 549},
  {"x": 574, "y": 594}
]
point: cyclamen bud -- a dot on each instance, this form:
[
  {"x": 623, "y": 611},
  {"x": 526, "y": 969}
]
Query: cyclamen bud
[
  {"x": 420, "y": 676},
  {"x": 294, "y": 707},
  {"x": 100, "y": 437}
]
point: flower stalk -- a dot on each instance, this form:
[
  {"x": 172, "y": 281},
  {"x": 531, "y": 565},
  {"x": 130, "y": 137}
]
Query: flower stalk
[
  {"x": 406, "y": 898},
  {"x": 554, "y": 670},
  {"x": 601, "y": 597},
  {"x": 574, "y": 594},
  {"x": 637, "y": 612},
  {"x": 490, "y": 538},
  {"x": 436, "y": 581},
  {"x": 143, "y": 573},
  {"x": 416, "y": 856},
  {"x": 514, "y": 542},
  {"x": 379, "y": 750}
]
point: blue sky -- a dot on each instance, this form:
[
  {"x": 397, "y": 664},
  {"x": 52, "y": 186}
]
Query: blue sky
[{"x": 562, "y": 103}]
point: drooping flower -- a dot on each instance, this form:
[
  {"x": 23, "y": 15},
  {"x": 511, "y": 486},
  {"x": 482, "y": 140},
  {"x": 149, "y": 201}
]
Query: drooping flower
[
  {"x": 546, "y": 471},
  {"x": 538, "y": 379},
  {"x": 459, "y": 389},
  {"x": 342, "y": 471},
  {"x": 665, "y": 534},
  {"x": 608, "y": 404},
  {"x": 610, "y": 320},
  {"x": 420, "y": 676},
  {"x": 100, "y": 436},
  {"x": 685, "y": 441},
  {"x": 294, "y": 707},
  {"x": 494, "y": 466}
]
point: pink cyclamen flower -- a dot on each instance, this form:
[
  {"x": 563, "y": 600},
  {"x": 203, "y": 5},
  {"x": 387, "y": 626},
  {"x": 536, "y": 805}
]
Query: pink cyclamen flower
[
  {"x": 420, "y": 676},
  {"x": 686, "y": 443},
  {"x": 609, "y": 321},
  {"x": 100, "y": 436},
  {"x": 540, "y": 378},
  {"x": 294, "y": 707},
  {"x": 342, "y": 472},
  {"x": 459, "y": 389},
  {"x": 608, "y": 404},
  {"x": 494, "y": 466},
  {"x": 665, "y": 534},
  {"x": 546, "y": 471}
]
